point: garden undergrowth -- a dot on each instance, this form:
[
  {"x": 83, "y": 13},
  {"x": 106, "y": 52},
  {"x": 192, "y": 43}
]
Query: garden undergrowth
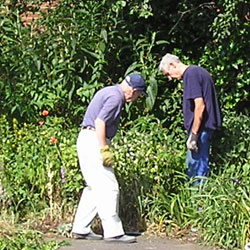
[{"x": 150, "y": 167}]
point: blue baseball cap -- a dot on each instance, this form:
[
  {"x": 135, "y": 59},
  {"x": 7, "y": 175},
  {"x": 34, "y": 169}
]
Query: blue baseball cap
[{"x": 137, "y": 82}]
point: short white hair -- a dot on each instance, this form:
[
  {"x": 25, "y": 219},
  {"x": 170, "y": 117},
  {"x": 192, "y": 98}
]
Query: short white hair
[{"x": 166, "y": 60}]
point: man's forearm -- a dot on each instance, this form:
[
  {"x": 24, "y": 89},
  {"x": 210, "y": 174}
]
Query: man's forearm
[
  {"x": 100, "y": 128},
  {"x": 198, "y": 115}
]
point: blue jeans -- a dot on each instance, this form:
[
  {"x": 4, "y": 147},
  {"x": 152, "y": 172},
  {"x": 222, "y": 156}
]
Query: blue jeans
[{"x": 198, "y": 163}]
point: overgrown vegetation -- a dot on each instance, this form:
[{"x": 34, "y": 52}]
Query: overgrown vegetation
[
  {"x": 16, "y": 238},
  {"x": 51, "y": 69},
  {"x": 60, "y": 60},
  {"x": 150, "y": 164}
]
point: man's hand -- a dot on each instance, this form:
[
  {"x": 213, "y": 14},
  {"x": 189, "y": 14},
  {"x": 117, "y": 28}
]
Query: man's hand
[
  {"x": 107, "y": 156},
  {"x": 192, "y": 142}
]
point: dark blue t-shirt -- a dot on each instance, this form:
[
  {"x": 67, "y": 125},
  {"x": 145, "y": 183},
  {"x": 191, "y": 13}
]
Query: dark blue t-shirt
[
  {"x": 106, "y": 105},
  {"x": 198, "y": 83}
]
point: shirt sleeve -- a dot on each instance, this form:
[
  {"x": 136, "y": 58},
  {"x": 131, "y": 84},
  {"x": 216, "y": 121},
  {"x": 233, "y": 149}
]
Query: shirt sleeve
[
  {"x": 110, "y": 110},
  {"x": 193, "y": 87}
]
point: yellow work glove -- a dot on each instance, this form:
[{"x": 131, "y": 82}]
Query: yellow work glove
[{"x": 107, "y": 156}]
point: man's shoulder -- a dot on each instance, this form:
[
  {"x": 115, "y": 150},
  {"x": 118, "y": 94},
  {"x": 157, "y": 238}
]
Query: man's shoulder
[
  {"x": 109, "y": 90},
  {"x": 113, "y": 93},
  {"x": 195, "y": 68}
]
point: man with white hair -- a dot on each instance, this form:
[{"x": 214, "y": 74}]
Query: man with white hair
[
  {"x": 101, "y": 194},
  {"x": 200, "y": 110}
]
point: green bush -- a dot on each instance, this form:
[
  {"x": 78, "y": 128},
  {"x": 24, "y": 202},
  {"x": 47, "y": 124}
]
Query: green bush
[
  {"x": 231, "y": 147},
  {"x": 221, "y": 208},
  {"x": 63, "y": 58},
  {"x": 226, "y": 216},
  {"x": 150, "y": 166},
  {"x": 70, "y": 52},
  {"x": 149, "y": 159},
  {"x": 27, "y": 240},
  {"x": 40, "y": 166},
  {"x": 151, "y": 169}
]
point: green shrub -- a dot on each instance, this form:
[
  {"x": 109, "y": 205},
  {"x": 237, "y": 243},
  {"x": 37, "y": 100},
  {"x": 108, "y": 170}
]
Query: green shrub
[
  {"x": 231, "y": 147},
  {"x": 149, "y": 159},
  {"x": 70, "y": 52},
  {"x": 151, "y": 169},
  {"x": 39, "y": 164},
  {"x": 64, "y": 57},
  {"x": 226, "y": 215},
  {"x": 27, "y": 240},
  {"x": 221, "y": 208},
  {"x": 150, "y": 166}
]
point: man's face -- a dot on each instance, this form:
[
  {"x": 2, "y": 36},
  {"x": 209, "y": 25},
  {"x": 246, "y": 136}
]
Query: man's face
[{"x": 172, "y": 72}]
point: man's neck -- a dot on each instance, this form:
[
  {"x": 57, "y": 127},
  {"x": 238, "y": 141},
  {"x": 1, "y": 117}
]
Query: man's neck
[{"x": 183, "y": 68}]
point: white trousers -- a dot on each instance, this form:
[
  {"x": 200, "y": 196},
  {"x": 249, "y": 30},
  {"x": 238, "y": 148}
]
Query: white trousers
[{"x": 101, "y": 195}]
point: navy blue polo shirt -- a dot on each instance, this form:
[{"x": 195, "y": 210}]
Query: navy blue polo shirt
[
  {"x": 106, "y": 105},
  {"x": 198, "y": 83}
]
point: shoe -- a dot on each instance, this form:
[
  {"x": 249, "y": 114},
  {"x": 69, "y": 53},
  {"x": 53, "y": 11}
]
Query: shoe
[
  {"x": 121, "y": 239},
  {"x": 89, "y": 236}
]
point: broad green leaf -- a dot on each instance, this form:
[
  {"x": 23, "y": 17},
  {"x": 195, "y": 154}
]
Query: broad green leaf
[
  {"x": 132, "y": 68},
  {"x": 92, "y": 54},
  {"x": 152, "y": 91},
  {"x": 104, "y": 35}
]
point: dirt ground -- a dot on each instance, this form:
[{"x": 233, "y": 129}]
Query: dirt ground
[{"x": 143, "y": 243}]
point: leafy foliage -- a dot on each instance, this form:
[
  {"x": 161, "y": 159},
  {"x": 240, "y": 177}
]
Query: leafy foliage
[
  {"x": 28, "y": 239},
  {"x": 220, "y": 209},
  {"x": 75, "y": 48},
  {"x": 72, "y": 50},
  {"x": 144, "y": 165},
  {"x": 225, "y": 55},
  {"x": 38, "y": 158},
  {"x": 151, "y": 168},
  {"x": 150, "y": 165}
]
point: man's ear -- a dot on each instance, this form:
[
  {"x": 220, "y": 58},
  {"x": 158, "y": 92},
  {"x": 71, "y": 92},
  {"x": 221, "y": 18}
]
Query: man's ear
[
  {"x": 134, "y": 90},
  {"x": 172, "y": 64}
]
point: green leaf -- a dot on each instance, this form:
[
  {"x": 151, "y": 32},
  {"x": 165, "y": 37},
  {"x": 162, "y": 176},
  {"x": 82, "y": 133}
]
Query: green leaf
[
  {"x": 104, "y": 35},
  {"x": 132, "y": 67},
  {"x": 92, "y": 54},
  {"x": 160, "y": 42},
  {"x": 152, "y": 91}
]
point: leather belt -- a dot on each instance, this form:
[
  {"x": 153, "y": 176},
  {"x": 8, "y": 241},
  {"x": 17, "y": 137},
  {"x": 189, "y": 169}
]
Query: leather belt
[{"x": 93, "y": 129}]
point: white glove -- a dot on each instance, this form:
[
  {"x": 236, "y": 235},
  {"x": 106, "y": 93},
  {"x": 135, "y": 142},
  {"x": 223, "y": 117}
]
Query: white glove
[{"x": 192, "y": 142}]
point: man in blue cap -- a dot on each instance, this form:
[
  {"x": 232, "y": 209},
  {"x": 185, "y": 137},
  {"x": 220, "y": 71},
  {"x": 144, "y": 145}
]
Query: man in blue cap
[{"x": 101, "y": 194}]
